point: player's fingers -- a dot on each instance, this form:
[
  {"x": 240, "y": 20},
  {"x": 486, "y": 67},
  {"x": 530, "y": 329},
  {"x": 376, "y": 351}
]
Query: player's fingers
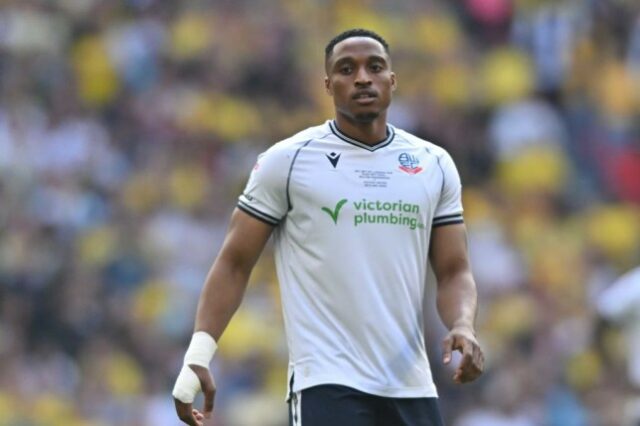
[
  {"x": 472, "y": 366},
  {"x": 468, "y": 368},
  {"x": 185, "y": 413},
  {"x": 447, "y": 349},
  {"x": 209, "y": 390},
  {"x": 198, "y": 415},
  {"x": 466, "y": 347},
  {"x": 466, "y": 363},
  {"x": 478, "y": 358},
  {"x": 208, "y": 387},
  {"x": 463, "y": 369},
  {"x": 468, "y": 375}
]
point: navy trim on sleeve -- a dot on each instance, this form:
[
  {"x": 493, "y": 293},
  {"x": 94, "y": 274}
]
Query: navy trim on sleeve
[
  {"x": 452, "y": 222},
  {"x": 449, "y": 219},
  {"x": 251, "y": 211},
  {"x": 448, "y": 216}
]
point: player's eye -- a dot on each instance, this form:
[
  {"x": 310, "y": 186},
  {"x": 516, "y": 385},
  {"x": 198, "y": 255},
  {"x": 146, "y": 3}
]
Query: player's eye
[
  {"x": 345, "y": 69},
  {"x": 376, "y": 67}
]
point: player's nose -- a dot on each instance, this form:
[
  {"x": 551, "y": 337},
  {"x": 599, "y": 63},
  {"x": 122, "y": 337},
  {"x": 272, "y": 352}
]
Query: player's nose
[{"x": 362, "y": 76}]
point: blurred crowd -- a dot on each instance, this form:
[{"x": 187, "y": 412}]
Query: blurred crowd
[{"x": 128, "y": 129}]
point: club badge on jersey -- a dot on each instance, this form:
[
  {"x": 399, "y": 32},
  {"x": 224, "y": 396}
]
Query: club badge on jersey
[{"x": 409, "y": 163}]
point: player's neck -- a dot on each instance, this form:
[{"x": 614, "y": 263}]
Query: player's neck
[{"x": 369, "y": 133}]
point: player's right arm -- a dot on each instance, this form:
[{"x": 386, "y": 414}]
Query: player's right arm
[
  {"x": 262, "y": 206},
  {"x": 221, "y": 295}
]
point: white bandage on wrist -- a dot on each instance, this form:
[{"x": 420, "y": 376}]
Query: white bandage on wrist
[
  {"x": 201, "y": 349},
  {"x": 200, "y": 352}
]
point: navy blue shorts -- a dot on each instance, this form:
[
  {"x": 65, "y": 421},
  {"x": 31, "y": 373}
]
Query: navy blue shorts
[{"x": 335, "y": 405}]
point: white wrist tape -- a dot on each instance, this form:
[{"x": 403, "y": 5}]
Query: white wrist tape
[
  {"x": 201, "y": 349},
  {"x": 200, "y": 352}
]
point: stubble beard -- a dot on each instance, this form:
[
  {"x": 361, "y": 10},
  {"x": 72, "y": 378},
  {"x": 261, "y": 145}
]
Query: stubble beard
[
  {"x": 359, "y": 117},
  {"x": 366, "y": 117}
]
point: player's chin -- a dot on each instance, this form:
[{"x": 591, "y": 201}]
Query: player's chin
[{"x": 366, "y": 116}]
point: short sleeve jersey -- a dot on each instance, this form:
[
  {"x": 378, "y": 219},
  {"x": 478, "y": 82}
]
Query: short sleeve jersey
[{"x": 352, "y": 244}]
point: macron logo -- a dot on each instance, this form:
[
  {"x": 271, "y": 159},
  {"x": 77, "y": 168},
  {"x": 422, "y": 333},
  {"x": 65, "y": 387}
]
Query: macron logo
[{"x": 333, "y": 158}]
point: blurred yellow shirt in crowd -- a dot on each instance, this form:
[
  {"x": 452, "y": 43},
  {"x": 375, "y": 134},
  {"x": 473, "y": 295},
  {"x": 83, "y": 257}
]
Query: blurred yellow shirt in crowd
[
  {"x": 98, "y": 82},
  {"x": 506, "y": 75}
]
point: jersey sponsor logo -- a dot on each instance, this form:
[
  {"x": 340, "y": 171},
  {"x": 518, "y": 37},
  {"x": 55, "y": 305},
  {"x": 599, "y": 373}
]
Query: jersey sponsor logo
[
  {"x": 336, "y": 211},
  {"x": 387, "y": 213},
  {"x": 333, "y": 158},
  {"x": 409, "y": 163},
  {"x": 379, "y": 212}
]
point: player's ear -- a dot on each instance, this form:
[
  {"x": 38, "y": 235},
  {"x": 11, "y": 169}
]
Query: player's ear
[
  {"x": 327, "y": 86},
  {"x": 394, "y": 82}
]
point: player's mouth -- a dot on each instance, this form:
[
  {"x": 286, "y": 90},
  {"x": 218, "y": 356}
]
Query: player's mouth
[{"x": 365, "y": 97}]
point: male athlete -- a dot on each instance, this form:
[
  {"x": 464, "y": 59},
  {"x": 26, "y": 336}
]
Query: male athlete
[{"x": 357, "y": 207}]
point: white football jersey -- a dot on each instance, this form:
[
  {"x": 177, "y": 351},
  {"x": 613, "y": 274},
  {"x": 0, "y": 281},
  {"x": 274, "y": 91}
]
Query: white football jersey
[{"x": 352, "y": 243}]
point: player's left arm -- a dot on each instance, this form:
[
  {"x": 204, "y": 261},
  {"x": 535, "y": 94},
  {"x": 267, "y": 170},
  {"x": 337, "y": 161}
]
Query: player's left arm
[{"x": 457, "y": 299}]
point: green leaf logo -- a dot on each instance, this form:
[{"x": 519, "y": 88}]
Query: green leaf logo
[{"x": 334, "y": 213}]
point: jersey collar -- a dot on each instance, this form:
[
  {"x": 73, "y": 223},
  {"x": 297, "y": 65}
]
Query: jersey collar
[{"x": 390, "y": 135}]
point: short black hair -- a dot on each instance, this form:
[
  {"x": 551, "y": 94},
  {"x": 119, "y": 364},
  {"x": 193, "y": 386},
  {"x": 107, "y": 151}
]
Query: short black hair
[{"x": 356, "y": 32}]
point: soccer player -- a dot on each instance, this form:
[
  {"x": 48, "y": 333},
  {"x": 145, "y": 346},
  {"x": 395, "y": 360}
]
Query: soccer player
[{"x": 357, "y": 207}]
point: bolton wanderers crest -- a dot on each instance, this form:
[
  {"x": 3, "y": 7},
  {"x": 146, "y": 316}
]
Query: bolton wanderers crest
[{"x": 409, "y": 163}]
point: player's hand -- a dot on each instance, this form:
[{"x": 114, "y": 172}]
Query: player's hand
[
  {"x": 463, "y": 339},
  {"x": 185, "y": 410}
]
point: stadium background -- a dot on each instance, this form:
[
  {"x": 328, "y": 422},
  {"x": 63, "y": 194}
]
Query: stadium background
[{"x": 128, "y": 128}]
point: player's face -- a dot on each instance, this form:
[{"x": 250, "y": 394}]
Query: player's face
[{"x": 360, "y": 80}]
